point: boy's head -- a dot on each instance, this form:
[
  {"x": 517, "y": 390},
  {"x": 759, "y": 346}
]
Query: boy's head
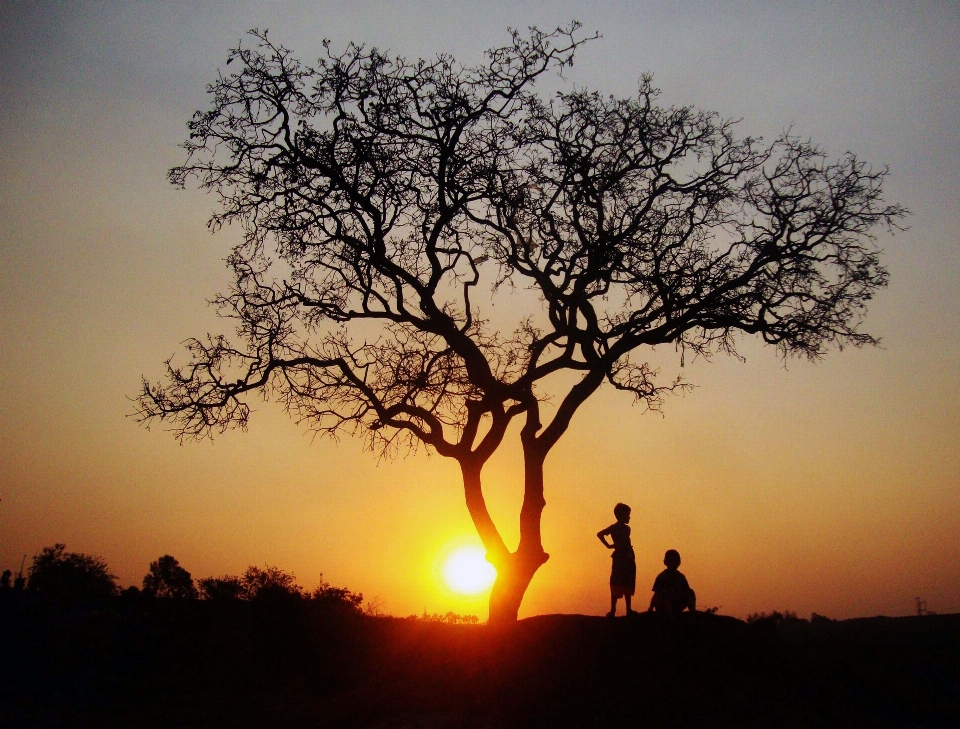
[
  {"x": 622, "y": 512},
  {"x": 672, "y": 559}
]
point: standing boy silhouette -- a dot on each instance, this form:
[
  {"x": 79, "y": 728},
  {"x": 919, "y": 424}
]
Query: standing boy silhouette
[{"x": 623, "y": 573}]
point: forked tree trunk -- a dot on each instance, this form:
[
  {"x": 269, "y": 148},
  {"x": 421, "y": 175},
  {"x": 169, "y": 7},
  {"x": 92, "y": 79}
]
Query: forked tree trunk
[{"x": 515, "y": 570}]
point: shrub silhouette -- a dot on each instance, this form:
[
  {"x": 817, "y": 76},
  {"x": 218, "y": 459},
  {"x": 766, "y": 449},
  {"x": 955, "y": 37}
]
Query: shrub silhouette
[
  {"x": 787, "y": 616},
  {"x": 167, "y": 578},
  {"x": 449, "y": 618},
  {"x": 328, "y": 596},
  {"x": 255, "y": 583},
  {"x": 271, "y": 584},
  {"x": 227, "y": 587},
  {"x": 70, "y": 576}
]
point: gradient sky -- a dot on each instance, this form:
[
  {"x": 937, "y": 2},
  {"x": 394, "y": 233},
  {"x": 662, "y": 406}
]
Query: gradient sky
[{"x": 831, "y": 487}]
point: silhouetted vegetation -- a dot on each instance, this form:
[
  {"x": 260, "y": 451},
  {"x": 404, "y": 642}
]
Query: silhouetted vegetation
[
  {"x": 70, "y": 576},
  {"x": 384, "y": 201},
  {"x": 268, "y": 583},
  {"x": 272, "y": 583},
  {"x": 259, "y": 650},
  {"x": 76, "y": 579},
  {"x": 448, "y": 618},
  {"x": 227, "y": 587},
  {"x": 167, "y": 578},
  {"x": 775, "y": 616},
  {"x": 327, "y": 595}
]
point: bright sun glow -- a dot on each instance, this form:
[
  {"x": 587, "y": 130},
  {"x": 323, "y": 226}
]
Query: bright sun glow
[{"x": 467, "y": 572}]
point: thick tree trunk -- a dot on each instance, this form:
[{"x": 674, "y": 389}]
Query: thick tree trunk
[
  {"x": 514, "y": 575},
  {"x": 516, "y": 570}
]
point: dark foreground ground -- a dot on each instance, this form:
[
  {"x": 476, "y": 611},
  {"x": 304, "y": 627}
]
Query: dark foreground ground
[{"x": 288, "y": 664}]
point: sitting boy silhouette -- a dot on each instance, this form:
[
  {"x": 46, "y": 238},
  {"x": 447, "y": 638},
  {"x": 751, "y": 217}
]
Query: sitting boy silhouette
[
  {"x": 623, "y": 573},
  {"x": 671, "y": 592}
]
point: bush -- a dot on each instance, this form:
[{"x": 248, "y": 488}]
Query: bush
[
  {"x": 255, "y": 583},
  {"x": 775, "y": 618},
  {"x": 227, "y": 587},
  {"x": 328, "y": 596},
  {"x": 269, "y": 582},
  {"x": 70, "y": 576},
  {"x": 272, "y": 583}
]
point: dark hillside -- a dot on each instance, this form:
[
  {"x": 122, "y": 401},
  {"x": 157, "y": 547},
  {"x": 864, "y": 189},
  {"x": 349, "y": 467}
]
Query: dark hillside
[{"x": 288, "y": 663}]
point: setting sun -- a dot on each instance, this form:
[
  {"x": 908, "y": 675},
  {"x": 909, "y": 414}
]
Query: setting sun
[{"x": 467, "y": 572}]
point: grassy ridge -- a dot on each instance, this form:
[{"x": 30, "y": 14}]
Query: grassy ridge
[{"x": 285, "y": 662}]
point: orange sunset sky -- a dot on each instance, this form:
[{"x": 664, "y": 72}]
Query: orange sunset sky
[{"x": 831, "y": 487}]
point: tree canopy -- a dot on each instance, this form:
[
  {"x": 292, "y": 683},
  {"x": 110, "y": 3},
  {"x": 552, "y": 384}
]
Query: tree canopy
[
  {"x": 166, "y": 578},
  {"x": 70, "y": 576}
]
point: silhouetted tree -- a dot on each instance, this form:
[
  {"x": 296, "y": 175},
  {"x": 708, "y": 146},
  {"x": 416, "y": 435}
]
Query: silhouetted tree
[
  {"x": 227, "y": 587},
  {"x": 70, "y": 576},
  {"x": 269, "y": 582},
  {"x": 327, "y": 596},
  {"x": 167, "y": 578},
  {"x": 377, "y": 195},
  {"x": 254, "y": 583}
]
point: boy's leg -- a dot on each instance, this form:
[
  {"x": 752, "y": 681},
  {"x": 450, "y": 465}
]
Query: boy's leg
[
  {"x": 661, "y": 603},
  {"x": 613, "y": 604},
  {"x": 627, "y": 599}
]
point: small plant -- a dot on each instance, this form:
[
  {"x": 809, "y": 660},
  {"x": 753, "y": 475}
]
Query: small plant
[
  {"x": 374, "y": 608},
  {"x": 450, "y": 618},
  {"x": 775, "y": 617},
  {"x": 922, "y": 607}
]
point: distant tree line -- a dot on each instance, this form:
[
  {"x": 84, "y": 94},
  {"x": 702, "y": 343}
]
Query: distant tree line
[{"x": 76, "y": 577}]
